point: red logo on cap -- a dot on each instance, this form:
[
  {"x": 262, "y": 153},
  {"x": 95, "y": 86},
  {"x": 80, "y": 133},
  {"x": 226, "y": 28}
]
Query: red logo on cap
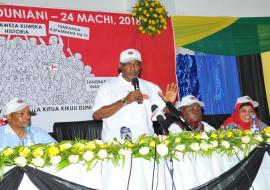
[
  {"x": 130, "y": 52},
  {"x": 192, "y": 98},
  {"x": 19, "y": 101}
]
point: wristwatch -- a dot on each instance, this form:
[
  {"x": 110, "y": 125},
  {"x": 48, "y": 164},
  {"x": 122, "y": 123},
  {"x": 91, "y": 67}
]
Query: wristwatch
[{"x": 123, "y": 101}]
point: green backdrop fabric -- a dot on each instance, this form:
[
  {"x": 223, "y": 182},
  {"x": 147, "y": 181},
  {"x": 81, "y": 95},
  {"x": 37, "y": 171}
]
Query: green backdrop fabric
[{"x": 244, "y": 37}]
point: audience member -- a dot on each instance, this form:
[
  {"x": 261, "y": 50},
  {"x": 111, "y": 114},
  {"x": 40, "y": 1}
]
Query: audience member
[
  {"x": 191, "y": 111},
  {"x": 241, "y": 118},
  {"x": 18, "y": 116}
]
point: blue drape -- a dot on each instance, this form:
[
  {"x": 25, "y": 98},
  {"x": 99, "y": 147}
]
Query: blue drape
[
  {"x": 211, "y": 78},
  {"x": 187, "y": 76}
]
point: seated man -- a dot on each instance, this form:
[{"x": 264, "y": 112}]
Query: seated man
[
  {"x": 18, "y": 116},
  {"x": 191, "y": 109}
]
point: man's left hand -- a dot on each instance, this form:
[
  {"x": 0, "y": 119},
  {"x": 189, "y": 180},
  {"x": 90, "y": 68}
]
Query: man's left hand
[{"x": 170, "y": 94}]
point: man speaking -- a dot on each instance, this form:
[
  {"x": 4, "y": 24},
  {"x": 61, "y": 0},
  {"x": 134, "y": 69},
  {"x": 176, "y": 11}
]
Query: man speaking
[{"x": 127, "y": 99}]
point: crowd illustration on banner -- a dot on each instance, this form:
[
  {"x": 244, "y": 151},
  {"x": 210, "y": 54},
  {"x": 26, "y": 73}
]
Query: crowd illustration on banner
[{"x": 42, "y": 73}]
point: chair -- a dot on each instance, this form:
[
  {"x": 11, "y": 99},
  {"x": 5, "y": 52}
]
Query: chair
[
  {"x": 215, "y": 120},
  {"x": 88, "y": 130}
]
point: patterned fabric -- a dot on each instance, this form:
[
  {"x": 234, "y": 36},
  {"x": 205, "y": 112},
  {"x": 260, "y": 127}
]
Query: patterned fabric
[
  {"x": 186, "y": 72},
  {"x": 212, "y": 79}
]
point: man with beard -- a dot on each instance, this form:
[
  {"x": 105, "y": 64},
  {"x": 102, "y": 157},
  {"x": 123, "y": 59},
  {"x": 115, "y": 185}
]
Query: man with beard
[
  {"x": 191, "y": 110},
  {"x": 119, "y": 105}
]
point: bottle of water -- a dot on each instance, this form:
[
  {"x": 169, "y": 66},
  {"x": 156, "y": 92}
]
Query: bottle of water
[
  {"x": 28, "y": 138},
  {"x": 125, "y": 133},
  {"x": 254, "y": 125}
]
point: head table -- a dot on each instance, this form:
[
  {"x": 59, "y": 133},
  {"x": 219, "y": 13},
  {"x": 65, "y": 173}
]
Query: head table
[{"x": 196, "y": 167}]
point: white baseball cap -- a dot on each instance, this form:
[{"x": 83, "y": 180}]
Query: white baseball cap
[
  {"x": 130, "y": 54},
  {"x": 188, "y": 100},
  {"x": 246, "y": 99},
  {"x": 14, "y": 105}
]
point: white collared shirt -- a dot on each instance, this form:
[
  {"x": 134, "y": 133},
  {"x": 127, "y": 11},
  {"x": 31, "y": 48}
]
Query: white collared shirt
[{"x": 135, "y": 116}]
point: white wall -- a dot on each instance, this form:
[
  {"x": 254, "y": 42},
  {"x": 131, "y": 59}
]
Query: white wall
[{"x": 237, "y": 8}]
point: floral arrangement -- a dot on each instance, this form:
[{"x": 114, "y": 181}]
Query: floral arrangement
[
  {"x": 152, "y": 16},
  {"x": 89, "y": 153}
]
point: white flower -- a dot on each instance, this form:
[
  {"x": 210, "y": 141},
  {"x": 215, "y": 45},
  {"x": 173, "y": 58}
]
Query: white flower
[
  {"x": 39, "y": 162},
  {"x": 99, "y": 142},
  {"x": 102, "y": 154},
  {"x": 55, "y": 160},
  {"x": 214, "y": 144},
  {"x": 245, "y": 139},
  {"x": 20, "y": 161},
  {"x": 268, "y": 141},
  {"x": 204, "y": 136},
  {"x": 204, "y": 146},
  {"x": 88, "y": 155},
  {"x": 195, "y": 147},
  {"x": 162, "y": 149},
  {"x": 125, "y": 152},
  {"x": 225, "y": 144},
  {"x": 180, "y": 147},
  {"x": 65, "y": 146},
  {"x": 258, "y": 137},
  {"x": 144, "y": 150},
  {"x": 73, "y": 159}
]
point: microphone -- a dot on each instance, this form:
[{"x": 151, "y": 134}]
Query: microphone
[
  {"x": 125, "y": 133},
  {"x": 136, "y": 85},
  {"x": 178, "y": 114},
  {"x": 160, "y": 118}
]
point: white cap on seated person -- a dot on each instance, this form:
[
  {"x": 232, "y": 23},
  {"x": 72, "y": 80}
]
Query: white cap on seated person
[
  {"x": 246, "y": 99},
  {"x": 188, "y": 100},
  {"x": 14, "y": 105}
]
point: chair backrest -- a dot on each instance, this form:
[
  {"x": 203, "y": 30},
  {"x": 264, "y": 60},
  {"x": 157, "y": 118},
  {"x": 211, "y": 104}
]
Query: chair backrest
[
  {"x": 88, "y": 130},
  {"x": 215, "y": 120}
]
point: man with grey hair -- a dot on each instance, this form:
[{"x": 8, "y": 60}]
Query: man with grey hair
[{"x": 18, "y": 116}]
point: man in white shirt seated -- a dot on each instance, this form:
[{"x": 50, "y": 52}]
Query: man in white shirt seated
[
  {"x": 191, "y": 110},
  {"x": 18, "y": 116}
]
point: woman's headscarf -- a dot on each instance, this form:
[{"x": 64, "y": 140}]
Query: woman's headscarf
[{"x": 235, "y": 119}]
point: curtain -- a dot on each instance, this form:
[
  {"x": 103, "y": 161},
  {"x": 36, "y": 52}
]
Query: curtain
[
  {"x": 42, "y": 180},
  {"x": 12, "y": 179},
  {"x": 266, "y": 70},
  {"x": 212, "y": 79},
  {"x": 187, "y": 77},
  {"x": 188, "y": 29},
  {"x": 241, "y": 176},
  {"x": 219, "y": 83},
  {"x": 252, "y": 82},
  {"x": 244, "y": 37}
]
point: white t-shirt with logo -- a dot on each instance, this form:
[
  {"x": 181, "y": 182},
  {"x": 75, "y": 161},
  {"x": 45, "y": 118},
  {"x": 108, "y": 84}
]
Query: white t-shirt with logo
[{"x": 135, "y": 116}]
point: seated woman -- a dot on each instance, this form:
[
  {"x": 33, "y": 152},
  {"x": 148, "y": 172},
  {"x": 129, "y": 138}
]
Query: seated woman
[{"x": 241, "y": 118}]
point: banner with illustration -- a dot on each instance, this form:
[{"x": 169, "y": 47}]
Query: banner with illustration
[{"x": 56, "y": 59}]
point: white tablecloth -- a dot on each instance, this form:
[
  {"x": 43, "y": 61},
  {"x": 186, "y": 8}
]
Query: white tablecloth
[{"x": 188, "y": 172}]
